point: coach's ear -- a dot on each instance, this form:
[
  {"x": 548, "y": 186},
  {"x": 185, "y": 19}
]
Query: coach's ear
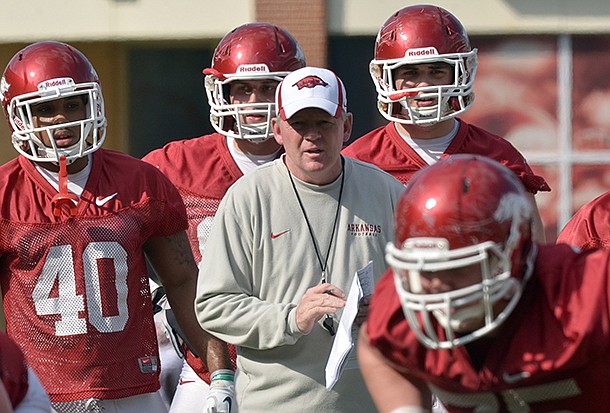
[
  {"x": 347, "y": 126},
  {"x": 275, "y": 126}
]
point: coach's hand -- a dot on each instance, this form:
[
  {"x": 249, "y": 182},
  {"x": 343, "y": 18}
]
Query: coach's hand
[{"x": 317, "y": 302}]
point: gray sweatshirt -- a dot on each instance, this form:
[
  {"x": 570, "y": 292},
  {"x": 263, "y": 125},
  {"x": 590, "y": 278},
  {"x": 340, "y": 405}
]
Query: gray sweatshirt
[{"x": 260, "y": 259}]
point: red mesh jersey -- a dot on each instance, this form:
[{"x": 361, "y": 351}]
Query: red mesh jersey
[
  {"x": 385, "y": 148},
  {"x": 76, "y": 294},
  {"x": 588, "y": 228},
  {"x": 552, "y": 353},
  {"x": 202, "y": 169}
]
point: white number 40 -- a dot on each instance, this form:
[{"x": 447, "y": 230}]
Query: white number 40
[{"x": 59, "y": 267}]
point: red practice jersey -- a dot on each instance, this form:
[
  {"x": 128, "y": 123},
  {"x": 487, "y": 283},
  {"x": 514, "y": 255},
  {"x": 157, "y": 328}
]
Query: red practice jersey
[
  {"x": 13, "y": 370},
  {"x": 551, "y": 354},
  {"x": 202, "y": 169},
  {"x": 589, "y": 228},
  {"x": 76, "y": 292},
  {"x": 385, "y": 148}
]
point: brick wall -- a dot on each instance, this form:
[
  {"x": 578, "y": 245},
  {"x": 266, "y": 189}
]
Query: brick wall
[{"x": 305, "y": 20}]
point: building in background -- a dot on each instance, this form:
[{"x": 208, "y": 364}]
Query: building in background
[{"x": 542, "y": 80}]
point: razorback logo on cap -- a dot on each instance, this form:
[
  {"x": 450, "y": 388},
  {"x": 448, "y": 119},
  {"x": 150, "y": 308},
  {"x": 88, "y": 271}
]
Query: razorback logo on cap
[{"x": 310, "y": 82}]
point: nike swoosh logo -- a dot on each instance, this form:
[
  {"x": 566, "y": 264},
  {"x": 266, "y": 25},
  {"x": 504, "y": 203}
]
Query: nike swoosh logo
[
  {"x": 227, "y": 400},
  {"x": 279, "y": 234},
  {"x": 186, "y": 381},
  {"x": 99, "y": 201},
  {"x": 513, "y": 378}
]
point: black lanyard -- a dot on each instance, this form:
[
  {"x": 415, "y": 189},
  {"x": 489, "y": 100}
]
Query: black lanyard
[{"x": 328, "y": 321}]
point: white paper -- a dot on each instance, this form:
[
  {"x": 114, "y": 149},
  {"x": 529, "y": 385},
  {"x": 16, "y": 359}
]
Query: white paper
[
  {"x": 365, "y": 275},
  {"x": 345, "y": 338}
]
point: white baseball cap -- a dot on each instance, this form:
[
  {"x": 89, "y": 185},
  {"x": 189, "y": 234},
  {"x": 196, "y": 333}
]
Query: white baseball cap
[{"x": 310, "y": 87}]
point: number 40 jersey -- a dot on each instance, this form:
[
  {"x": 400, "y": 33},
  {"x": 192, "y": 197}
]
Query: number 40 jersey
[{"x": 76, "y": 295}]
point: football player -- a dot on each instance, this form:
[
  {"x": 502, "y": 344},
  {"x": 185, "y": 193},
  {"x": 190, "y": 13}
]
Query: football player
[
  {"x": 423, "y": 70},
  {"x": 76, "y": 223},
  {"x": 476, "y": 312},
  {"x": 247, "y": 65},
  {"x": 588, "y": 228}
]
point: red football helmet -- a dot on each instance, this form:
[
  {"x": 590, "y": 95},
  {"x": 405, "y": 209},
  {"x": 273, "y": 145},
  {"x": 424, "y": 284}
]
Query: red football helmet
[
  {"x": 416, "y": 35},
  {"x": 253, "y": 51},
  {"x": 46, "y": 71},
  {"x": 467, "y": 215}
]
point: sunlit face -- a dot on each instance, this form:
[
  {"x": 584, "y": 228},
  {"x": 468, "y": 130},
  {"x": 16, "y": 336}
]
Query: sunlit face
[
  {"x": 58, "y": 111},
  {"x": 313, "y": 140},
  {"x": 252, "y": 91},
  {"x": 260, "y": 94},
  {"x": 422, "y": 75}
]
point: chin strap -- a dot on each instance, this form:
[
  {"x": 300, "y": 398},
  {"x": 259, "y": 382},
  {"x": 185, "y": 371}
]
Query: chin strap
[{"x": 64, "y": 197}]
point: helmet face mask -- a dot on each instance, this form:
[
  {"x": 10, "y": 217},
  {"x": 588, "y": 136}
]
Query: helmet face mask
[
  {"x": 399, "y": 105},
  {"x": 253, "y": 52},
  {"x": 469, "y": 311},
  {"x": 227, "y": 117},
  {"x": 65, "y": 74},
  {"x": 464, "y": 223},
  {"x": 419, "y": 35},
  {"x": 26, "y": 134}
]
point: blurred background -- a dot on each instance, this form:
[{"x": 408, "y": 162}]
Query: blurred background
[{"x": 543, "y": 80}]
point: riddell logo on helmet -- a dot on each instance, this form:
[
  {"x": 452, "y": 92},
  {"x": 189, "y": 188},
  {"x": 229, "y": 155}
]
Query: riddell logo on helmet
[
  {"x": 51, "y": 85},
  {"x": 427, "y": 51},
  {"x": 18, "y": 123},
  {"x": 54, "y": 83},
  {"x": 259, "y": 68},
  {"x": 310, "y": 82}
]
